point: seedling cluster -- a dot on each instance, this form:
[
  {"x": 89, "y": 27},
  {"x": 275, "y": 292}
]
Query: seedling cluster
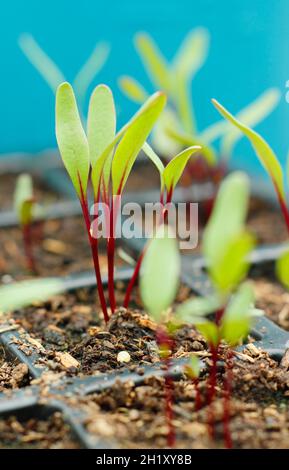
[{"x": 178, "y": 127}]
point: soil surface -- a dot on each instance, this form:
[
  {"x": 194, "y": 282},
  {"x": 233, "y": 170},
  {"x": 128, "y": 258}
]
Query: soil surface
[
  {"x": 60, "y": 247},
  {"x": 12, "y": 374},
  {"x": 70, "y": 323},
  {"x": 52, "y": 433},
  {"x": 131, "y": 416},
  {"x": 266, "y": 223}
]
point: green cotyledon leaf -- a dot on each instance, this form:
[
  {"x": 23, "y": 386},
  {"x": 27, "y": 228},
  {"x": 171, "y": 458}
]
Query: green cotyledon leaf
[
  {"x": 282, "y": 268},
  {"x": 264, "y": 152},
  {"x": 90, "y": 69},
  {"x": 71, "y": 139},
  {"x": 154, "y": 62},
  {"x": 101, "y": 127},
  {"x": 193, "y": 53},
  {"x": 20, "y": 294},
  {"x": 175, "y": 168},
  {"x": 24, "y": 199},
  {"x": 251, "y": 116},
  {"x": 133, "y": 140},
  {"x": 132, "y": 89},
  {"x": 237, "y": 319},
  {"x": 160, "y": 272},
  {"x": 155, "y": 159},
  {"x": 225, "y": 241}
]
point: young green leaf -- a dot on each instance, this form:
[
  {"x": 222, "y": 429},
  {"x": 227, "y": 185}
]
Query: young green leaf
[
  {"x": 24, "y": 199},
  {"x": 192, "y": 53},
  {"x": 282, "y": 268},
  {"x": 232, "y": 262},
  {"x": 89, "y": 70},
  {"x": 133, "y": 89},
  {"x": 101, "y": 126},
  {"x": 160, "y": 271},
  {"x": 225, "y": 230},
  {"x": 210, "y": 332},
  {"x": 133, "y": 140},
  {"x": 188, "y": 311},
  {"x": 71, "y": 138},
  {"x": 41, "y": 61},
  {"x": 20, "y": 294},
  {"x": 154, "y": 62},
  {"x": 251, "y": 116},
  {"x": 155, "y": 159},
  {"x": 237, "y": 319},
  {"x": 162, "y": 142},
  {"x": 264, "y": 152},
  {"x": 175, "y": 168},
  {"x": 186, "y": 139}
]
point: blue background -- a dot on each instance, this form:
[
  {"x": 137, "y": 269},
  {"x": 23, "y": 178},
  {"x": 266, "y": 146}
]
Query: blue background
[{"x": 249, "y": 52}]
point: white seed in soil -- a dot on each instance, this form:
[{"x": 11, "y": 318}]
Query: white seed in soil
[{"x": 123, "y": 356}]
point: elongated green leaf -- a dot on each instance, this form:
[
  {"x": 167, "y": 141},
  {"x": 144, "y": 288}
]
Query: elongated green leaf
[
  {"x": 20, "y": 294},
  {"x": 214, "y": 131},
  {"x": 264, "y": 152},
  {"x": 251, "y": 116},
  {"x": 133, "y": 140},
  {"x": 24, "y": 199},
  {"x": 132, "y": 89},
  {"x": 231, "y": 262},
  {"x": 197, "y": 307},
  {"x": 154, "y": 62},
  {"x": 41, "y": 61},
  {"x": 163, "y": 144},
  {"x": 237, "y": 319},
  {"x": 192, "y": 53},
  {"x": 155, "y": 159},
  {"x": 90, "y": 69},
  {"x": 71, "y": 138},
  {"x": 210, "y": 332},
  {"x": 282, "y": 268},
  {"x": 224, "y": 234},
  {"x": 159, "y": 277},
  {"x": 186, "y": 139},
  {"x": 175, "y": 168},
  {"x": 101, "y": 126}
]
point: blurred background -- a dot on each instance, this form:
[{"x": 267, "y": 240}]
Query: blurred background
[{"x": 248, "y": 53}]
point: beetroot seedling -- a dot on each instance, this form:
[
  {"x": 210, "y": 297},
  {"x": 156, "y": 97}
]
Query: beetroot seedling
[
  {"x": 159, "y": 279},
  {"x": 178, "y": 127},
  {"x": 226, "y": 246},
  {"x": 104, "y": 156},
  {"x": 24, "y": 205},
  {"x": 169, "y": 177},
  {"x": 52, "y": 74}
]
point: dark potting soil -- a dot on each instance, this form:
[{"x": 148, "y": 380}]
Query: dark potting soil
[
  {"x": 70, "y": 323},
  {"x": 272, "y": 297},
  {"x": 12, "y": 374},
  {"x": 132, "y": 416},
  {"x": 266, "y": 223},
  {"x": 43, "y": 195},
  {"x": 52, "y": 433},
  {"x": 61, "y": 247}
]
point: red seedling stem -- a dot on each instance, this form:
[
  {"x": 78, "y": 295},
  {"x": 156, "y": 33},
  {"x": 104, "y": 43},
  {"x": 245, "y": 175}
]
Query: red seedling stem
[
  {"x": 93, "y": 241},
  {"x": 133, "y": 280},
  {"x": 166, "y": 343},
  {"x": 227, "y": 400},
  {"x": 27, "y": 242},
  {"x": 134, "y": 277},
  {"x": 110, "y": 257},
  {"x": 198, "y": 401},
  {"x": 283, "y": 206}
]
